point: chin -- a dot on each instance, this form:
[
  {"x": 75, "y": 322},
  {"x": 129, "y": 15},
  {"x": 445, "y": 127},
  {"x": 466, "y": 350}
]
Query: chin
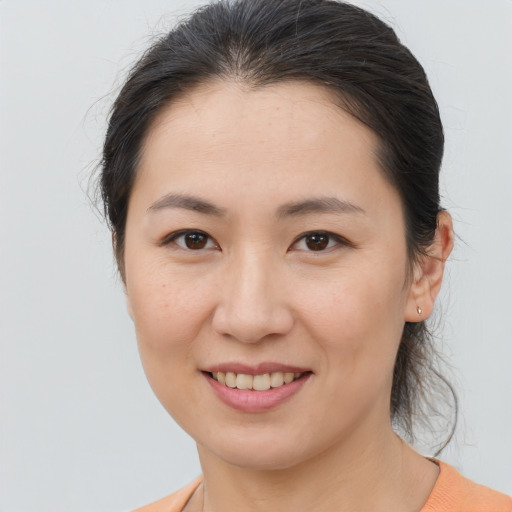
[
  {"x": 256, "y": 461},
  {"x": 261, "y": 455}
]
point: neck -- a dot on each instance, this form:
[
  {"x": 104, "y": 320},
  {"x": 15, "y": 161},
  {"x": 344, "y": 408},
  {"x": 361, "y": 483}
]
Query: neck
[{"x": 383, "y": 475}]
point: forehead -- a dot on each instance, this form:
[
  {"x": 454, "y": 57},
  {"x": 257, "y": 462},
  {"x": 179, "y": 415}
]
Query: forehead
[
  {"x": 227, "y": 115},
  {"x": 289, "y": 137}
]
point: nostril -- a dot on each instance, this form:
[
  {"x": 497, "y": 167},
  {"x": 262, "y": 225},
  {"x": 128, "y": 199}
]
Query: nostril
[{"x": 251, "y": 325}]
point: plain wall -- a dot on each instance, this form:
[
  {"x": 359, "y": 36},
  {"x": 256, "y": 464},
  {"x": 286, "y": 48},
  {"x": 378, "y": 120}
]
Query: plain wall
[{"x": 80, "y": 429}]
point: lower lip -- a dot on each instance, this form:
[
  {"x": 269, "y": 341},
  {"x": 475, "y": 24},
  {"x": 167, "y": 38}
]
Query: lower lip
[{"x": 256, "y": 401}]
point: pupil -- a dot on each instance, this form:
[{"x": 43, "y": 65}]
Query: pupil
[
  {"x": 317, "y": 242},
  {"x": 195, "y": 240}
]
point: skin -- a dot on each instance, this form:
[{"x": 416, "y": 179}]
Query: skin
[{"x": 257, "y": 292}]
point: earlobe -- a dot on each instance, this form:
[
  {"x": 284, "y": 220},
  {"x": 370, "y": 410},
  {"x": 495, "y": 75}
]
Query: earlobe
[{"x": 429, "y": 270}]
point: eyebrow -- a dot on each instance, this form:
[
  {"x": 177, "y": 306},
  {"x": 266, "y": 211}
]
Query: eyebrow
[
  {"x": 314, "y": 205},
  {"x": 188, "y": 203},
  {"x": 318, "y": 205}
]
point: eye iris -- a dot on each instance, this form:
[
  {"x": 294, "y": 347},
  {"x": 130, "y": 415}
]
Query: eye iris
[
  {"x": 195, "y": 240},
  {"x": 317, "y": 242}
]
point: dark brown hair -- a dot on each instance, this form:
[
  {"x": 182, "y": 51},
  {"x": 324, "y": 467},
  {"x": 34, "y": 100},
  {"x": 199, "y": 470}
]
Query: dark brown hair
[{"x": 375, "y": 77}]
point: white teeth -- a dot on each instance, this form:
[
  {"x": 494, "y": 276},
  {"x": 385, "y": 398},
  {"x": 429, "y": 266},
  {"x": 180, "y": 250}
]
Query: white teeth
[
  {"x": 276, "y": 379},
  {"x": 244, "y": 381},
  {"x": 256, "y": 382},
  {"x": 231, "y": 379},
  {"x": 288, "y": 377},
  {"x": 261, "y": 382}
]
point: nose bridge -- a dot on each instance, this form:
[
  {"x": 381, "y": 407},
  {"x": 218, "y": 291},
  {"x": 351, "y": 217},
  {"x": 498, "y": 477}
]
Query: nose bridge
[{"x": 253, "y": 304}]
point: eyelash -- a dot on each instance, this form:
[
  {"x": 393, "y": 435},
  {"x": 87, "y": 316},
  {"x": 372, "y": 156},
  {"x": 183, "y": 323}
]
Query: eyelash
[{"x": 333, "y": 240}]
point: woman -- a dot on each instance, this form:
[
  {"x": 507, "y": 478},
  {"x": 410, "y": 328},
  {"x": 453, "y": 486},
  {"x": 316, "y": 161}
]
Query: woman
[{"x": 270, "y": 175}]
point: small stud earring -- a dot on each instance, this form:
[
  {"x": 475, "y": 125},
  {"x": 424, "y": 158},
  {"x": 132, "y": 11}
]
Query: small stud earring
[{"x": 419, "y": 310}]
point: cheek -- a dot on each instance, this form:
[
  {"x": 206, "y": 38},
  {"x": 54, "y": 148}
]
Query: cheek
[
  {"x": 358, "y": 318},
  {"x": 168, "y": 308},
  {"x": 357, "y": 324},
  {"x": 355, "y": 301},
  {"x": 168, "y": 317}
]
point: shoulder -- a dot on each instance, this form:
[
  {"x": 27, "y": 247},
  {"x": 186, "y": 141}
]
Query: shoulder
[
  {"x": 175, "y": 501},
  {"x": 455, "y": 493}
]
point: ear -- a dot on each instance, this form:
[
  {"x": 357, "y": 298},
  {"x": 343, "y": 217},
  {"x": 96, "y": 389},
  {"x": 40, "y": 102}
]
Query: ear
[{"x": 428, "y": 272}]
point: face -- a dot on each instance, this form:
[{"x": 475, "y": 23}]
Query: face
[{"x": 263, "y": 244}]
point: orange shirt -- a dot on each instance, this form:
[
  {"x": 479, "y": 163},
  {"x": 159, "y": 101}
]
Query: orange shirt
[{"x": 452, "y": 493}]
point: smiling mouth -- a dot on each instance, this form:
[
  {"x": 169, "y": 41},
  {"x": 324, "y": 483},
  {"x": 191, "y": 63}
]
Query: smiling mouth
[{"x": 262, "y": 382}]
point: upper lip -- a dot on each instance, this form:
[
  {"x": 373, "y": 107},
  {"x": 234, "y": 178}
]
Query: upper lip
[{"x": 258, "y": 369}]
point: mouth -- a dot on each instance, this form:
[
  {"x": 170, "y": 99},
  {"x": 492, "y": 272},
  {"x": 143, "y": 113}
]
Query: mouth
[
  {"x": 261, "y": 382},
  {"x": 256, "y": 389}
]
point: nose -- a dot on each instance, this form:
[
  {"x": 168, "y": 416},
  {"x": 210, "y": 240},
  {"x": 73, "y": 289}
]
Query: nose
[{"x": 253, "y": 302}]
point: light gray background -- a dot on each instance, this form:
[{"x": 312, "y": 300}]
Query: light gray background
[{"x": 79, "y": 428}]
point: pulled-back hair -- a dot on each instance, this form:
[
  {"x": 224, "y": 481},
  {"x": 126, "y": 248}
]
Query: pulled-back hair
[{"x": 374, "y": 77}]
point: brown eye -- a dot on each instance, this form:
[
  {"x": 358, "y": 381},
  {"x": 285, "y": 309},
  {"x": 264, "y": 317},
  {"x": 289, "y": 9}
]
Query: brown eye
[
  {"x": 195, "y": 240},
  {"x": 317, "y": 241},
  {"x": 191, "y": 240}
]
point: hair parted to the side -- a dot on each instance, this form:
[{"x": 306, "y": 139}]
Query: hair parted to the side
[{"x": 375, "y": 78}]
